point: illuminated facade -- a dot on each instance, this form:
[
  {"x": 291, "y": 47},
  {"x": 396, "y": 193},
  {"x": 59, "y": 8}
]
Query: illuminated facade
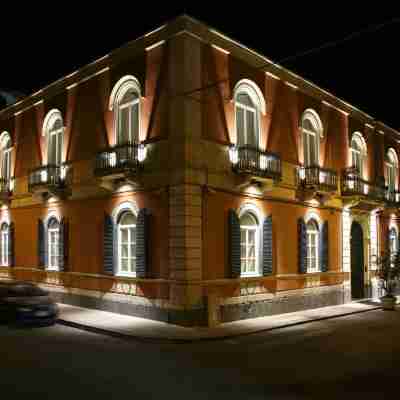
[{"x": 177, "y": 180}]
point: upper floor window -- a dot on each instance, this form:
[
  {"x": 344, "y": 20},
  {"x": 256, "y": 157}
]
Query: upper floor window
[
  {"x": 392, "y": 170},
  {"x": 249, "y": 103},
  {"x": 358, "y": 151},
  {"x": 53, "y": 129},
  {"x": 312, "y": 246},
  {"x": 249, "y": 244},
  {"x": 5, "y": 155},
  {"x": 125, "y": 102},
  {"x": 312, "y": 131}
]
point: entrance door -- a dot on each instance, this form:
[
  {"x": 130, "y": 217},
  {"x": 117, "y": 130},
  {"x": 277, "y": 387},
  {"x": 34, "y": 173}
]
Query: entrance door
[{"x": 357, "y": 261}]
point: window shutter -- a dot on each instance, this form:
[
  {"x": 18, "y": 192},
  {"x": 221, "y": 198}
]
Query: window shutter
[
  {"x": 42, "y": 248},
  {"x": 11, "y": 254},
  {"x": 142, "y": 243},
  {"x": 324, "y": 248},
  {"x": 267, "y": 246},
  {"x": 63, "y": 245},
  {"x": 108, "y": 245},
  {"x": 302, "y": 242},
  {"x": 234, "y": 243}
]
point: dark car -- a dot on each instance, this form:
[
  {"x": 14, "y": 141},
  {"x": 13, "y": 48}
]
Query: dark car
[{"x": 25, "y": 303}]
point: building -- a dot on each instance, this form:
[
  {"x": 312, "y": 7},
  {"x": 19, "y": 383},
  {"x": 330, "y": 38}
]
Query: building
[{"x": 178, "y": 180}]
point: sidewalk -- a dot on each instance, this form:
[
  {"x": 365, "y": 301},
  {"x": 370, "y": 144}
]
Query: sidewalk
[{"x": 128, "y": 326}]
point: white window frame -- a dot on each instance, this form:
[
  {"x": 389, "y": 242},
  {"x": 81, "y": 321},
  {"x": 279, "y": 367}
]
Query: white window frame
[
  {"x": 129, "y": 105},
  {"x": 247, "y": 228},
  {"x": 311, "y": 138},
  {"x": 243, "y": 137},
  {"x": 5, "y": 237},
  {"x": 392, "y": 170},
  {"x": 124, "y": 85},
  {"x": 312, "y": 262},
  {"x": 53, "y": 235},
  {"x": 119, "y": 246},
  {"x": 54, "y": 153},
  {"x": 358, "y": 154}
]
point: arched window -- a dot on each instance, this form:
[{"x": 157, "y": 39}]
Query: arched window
[
  {"x": 311, "y": 128},
  {"x": 392, "y": 170},
  {"x": 127, "y": 243},
  {"x": 5, "y": 156},
  {"x": 53, "y": 129},
  {"x": 53, "y": 239},
  {"x": 125, "y": 102},
  {"x": 312, "y": 246},
  {"x": 249, "y": 102},
  {"x": 249, "y": 244},
  {"x": 4, "y": 244},
  {"x": 358, "y": 153}
]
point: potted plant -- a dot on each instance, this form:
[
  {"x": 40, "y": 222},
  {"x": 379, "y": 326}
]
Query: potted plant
[{"x": 388, "y": 272}]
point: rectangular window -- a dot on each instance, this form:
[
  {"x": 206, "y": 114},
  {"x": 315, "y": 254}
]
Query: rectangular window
[
  {"x": 54, "y": 238},
  {"x": 312, "y": 251},
  {"x": 127, "y": 249},
  {"x": 248, "y": 245},
  {"x": 4, "y": 247}
]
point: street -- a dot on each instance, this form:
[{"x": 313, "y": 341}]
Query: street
[{"x": 356, "y": 356}]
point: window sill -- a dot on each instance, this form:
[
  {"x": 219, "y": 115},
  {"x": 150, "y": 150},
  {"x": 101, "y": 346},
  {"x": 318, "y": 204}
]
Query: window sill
[
  {"x": 52, "y": 269},
  {"x": 125, "y": 275},
  {"x": 253, "y": 275}
]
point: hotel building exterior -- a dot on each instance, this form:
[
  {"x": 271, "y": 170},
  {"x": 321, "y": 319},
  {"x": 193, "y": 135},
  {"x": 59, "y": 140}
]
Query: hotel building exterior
[{"x": 186, "y": 178}]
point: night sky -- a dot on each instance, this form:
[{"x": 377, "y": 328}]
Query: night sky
[{"x": 38, "y": 48}]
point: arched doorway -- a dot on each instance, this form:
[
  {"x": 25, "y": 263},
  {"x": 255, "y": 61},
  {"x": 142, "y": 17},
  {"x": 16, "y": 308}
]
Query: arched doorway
[{"x": 357, "y": 261}]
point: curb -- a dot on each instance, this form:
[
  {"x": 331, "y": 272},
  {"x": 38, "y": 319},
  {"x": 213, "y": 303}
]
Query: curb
[{"x": 148, "y": 339}]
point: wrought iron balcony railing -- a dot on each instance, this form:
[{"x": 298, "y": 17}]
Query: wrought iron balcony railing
[
  {"x": 251, "y": 160},
  {"x": 119, "y": 158},
  {"x": 353, "y": 184},
  {"x": 48, "y": 176},
  {"x": 322, "y": 179}
]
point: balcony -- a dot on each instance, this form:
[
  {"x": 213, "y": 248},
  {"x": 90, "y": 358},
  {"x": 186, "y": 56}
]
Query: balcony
[
  {"x": 316, "y": 183},
  {"x": 50, "y": 181},
  {"x": 120, "y": 163},
  {"x": 255, "y": 165},
  {"x": 392, "y": 201},
  {"x": 6, "y": 188},
  {"x": 360, "y": 193}
]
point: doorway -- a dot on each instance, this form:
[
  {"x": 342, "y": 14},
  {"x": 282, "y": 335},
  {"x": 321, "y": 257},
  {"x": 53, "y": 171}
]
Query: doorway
[{"x": 357, "y": 261}]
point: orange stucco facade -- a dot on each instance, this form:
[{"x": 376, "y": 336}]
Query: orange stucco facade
[{"x": 187, "y": 75}]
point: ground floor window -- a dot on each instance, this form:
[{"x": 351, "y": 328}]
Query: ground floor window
[
  {"x": 249, "y": 244},
  {"x": 312, "y": 247},
  {"x": 127, "y": 244},
  {"x": 53, "y": 243},
  {"x": 4, "y": 244}
]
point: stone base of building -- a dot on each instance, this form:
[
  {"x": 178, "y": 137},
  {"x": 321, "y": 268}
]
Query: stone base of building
[{"x": 282, "y": 302}]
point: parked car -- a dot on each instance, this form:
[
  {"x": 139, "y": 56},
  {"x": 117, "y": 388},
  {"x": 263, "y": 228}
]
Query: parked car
[{"x": 25, "y": 303}]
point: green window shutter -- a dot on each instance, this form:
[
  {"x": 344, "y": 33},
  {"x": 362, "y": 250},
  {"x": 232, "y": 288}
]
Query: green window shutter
[
  {"x": 267, "y": 246},
  {"x": 324, "y": 247},
  {"x": 142, "y": 243},
  {"x": 63, "y": 245},
  {"x": 234, "y": 243},
  {"x": 302, "y": 244},
  {"x": 108, "y": 245},
  {"x": 11, "y": 244}
]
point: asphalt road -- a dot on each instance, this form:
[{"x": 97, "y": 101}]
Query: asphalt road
[{"x": 356, "y": 356}]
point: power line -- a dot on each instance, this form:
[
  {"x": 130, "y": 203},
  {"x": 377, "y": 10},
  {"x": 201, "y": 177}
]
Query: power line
[{"x": 332, "y": 43}]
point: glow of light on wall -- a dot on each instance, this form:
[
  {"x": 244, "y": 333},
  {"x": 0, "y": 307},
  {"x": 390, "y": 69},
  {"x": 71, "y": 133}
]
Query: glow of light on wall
[
  {"x": 125, "y": 188},
  {"x": 142, "y": 152},
  {"x": 322, "y": 177},
  {"x": 4, "y": 207},
  {"x": 263, "y": 162},
  {"x": 314, "y": 202},
  {"x": 233, "y": 154},
  {"x": 365, "y": 189},
  {"x": 52, "y": 200},
  {"x": 63, "y": 171}
]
